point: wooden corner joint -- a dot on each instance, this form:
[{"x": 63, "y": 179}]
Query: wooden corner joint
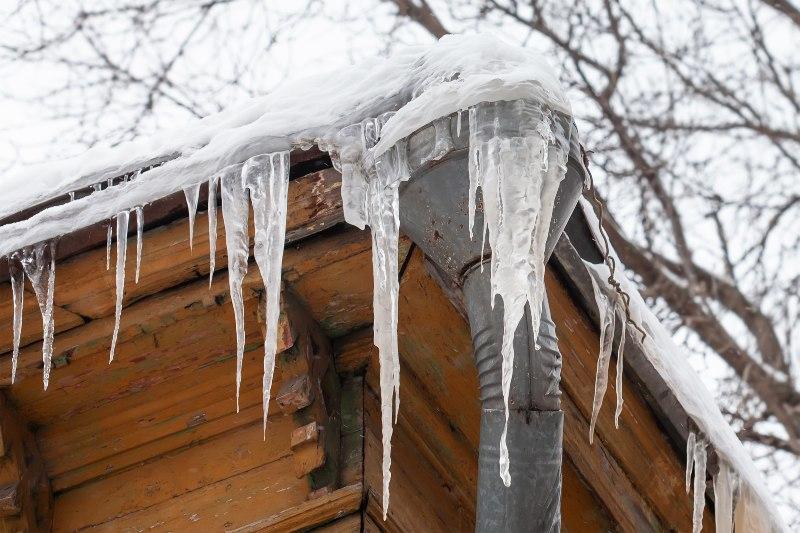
[
  {"x": 308, "y": 450},
  {"x": 295, "y": 394},
  {"x": 25, "y": 493}
]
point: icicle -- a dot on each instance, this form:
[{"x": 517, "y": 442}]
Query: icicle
[
  {"x": 370, "y": 197},
  {"x": 213, "y": 184},
  {"x": 267, "y": 178},
  {"x": 72, "y": 196},
  {"x": 192, "y": 193},
  {"x": 723, "y": 498},
  {"x": 620, "y": 360},
  {"x": 458, "y": 122},
  {"x": 474, "y": 169},
  {"x": 384, "y": 223},
  {"x": 351, "y": 149},
  {"x": 606, "y": 308},
  {"x": 443, "y": 142},
  {"x": 109, "y": 236},
  {"x": 139, "y": 238},
  {"x": 690, "y": 442},
  {"x": 699, "y": 485},
  {"x": 122, "y": 245},
  {"x": 517, "y": 157},
  {"x": 17, "y": 295},
  {"x": 39, "y": 264},
  {"x": 236, "y": 212}
]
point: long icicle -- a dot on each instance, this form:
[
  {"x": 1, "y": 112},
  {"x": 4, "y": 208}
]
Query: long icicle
[
  {"x": 607, "y": 312},
  {"x": 17, "y": 294},
  {"x": 235, "y": 210},
  {"x": 518, "y": 168},
  {"x": 620, "y": 365},
  {"x": 139, "y": 239},
  {"x": 39, "y": 264},
  {"x": 192, "y": 194},
  {"x": 699, "y": 485},
  {"x": 213, "y": 185},
  {"x": 267, "y": 178},
  {"x": 690, "y": 442},
  {"x": 384, "y": 223},
  {"x": 370, "y": 197},
  {"x": 122, "y": 245}
]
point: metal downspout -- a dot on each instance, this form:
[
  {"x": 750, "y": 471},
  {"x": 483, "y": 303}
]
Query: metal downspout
[{"x": 433, "y": 214}]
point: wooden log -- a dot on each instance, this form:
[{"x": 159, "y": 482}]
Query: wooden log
[
  {"x": 223, "y": 505},
  {"x": 304, "y": 435},
  {"x": 311, "y": 513},
  {"x": 173, "y": 475},
  {"x": 25, "y": 494},
  {"x": 295, "y": 394},
  {"x": 348, "y": 524},
  {"x": 354, "y": 351},
  {"x": 308, "y": 451}
]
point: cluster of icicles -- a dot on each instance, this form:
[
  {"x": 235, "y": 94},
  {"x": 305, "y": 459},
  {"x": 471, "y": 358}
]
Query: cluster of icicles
[
  {"x": 518, "y": 174},
  {"x": 609, "y": 305},
  {"x": 518, "y": 171}
]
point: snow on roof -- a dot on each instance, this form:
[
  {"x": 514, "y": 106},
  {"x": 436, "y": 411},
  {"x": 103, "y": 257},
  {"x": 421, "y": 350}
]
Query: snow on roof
[
  {"x": 671, "y": 363},
  {"x": 421, "y": 83}
]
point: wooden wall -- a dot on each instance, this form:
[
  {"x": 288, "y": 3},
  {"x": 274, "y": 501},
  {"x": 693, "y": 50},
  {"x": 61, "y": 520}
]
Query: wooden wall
[{"x": 154, "y": 441}]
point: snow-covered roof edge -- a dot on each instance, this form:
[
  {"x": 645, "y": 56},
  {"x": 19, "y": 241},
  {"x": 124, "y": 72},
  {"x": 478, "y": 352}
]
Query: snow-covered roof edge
[
  {"x": 671, "y": 363},
  {"x": 421, "y": 83}
]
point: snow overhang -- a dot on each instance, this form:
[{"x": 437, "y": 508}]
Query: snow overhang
[{"x": 419, "y": 83}]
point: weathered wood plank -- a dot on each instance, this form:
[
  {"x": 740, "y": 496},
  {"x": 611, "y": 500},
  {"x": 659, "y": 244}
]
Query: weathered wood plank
[
  {"x": 334, "y": 278},
  {"x": 421, "y": 500},
  {"x": 435, "y": 344},
  {"x": 433, "y": 436},
  {"x": 348, "y": 524},
  {"x": 173, "y": 475},
  {"x": 624, "y": 503},
  {"x": 221, "y": 506},
  {"x": 580, "y": 510},
  {"x": 311, "y": 513},
  {"x": 351, "y": 449}
]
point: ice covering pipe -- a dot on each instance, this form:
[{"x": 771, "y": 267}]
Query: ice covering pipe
[{"x": 434, "y": 214}]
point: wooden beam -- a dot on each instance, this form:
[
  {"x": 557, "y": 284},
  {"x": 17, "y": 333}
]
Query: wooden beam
[
  {"x": 312, "y": 513},
  {"x": 25, "y": 495}
]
